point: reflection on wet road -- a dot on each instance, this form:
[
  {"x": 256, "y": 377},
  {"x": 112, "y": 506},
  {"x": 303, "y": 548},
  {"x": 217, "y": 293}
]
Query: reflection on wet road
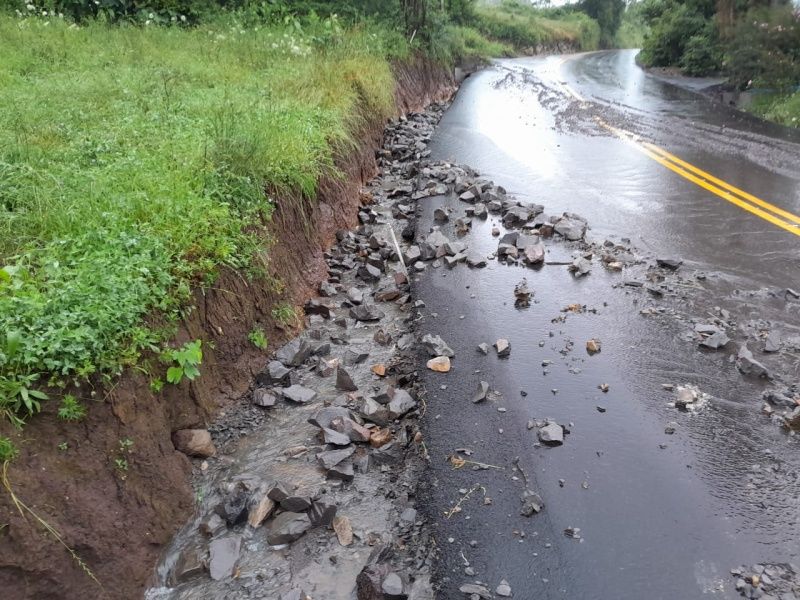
[{"x": 660, "y": 516}]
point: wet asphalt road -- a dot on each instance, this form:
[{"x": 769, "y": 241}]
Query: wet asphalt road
[{"x": 655, "y": 522}]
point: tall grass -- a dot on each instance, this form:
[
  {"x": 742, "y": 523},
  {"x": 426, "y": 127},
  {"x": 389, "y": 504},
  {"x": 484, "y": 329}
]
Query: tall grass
[
  {"x": 526, "y": 27},
  {"x": 134, "y": 163}
]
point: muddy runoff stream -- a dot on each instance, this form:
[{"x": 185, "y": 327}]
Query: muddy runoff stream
[{"x": 315, "y": 487}]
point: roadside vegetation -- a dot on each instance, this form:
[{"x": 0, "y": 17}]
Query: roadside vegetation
[
  {"x": 144, "y": 147},
  {"x": 754, "y": 43},
  {"x": 526, "y": 28}
]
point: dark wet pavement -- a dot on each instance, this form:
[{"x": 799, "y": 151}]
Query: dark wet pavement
[{"x": 655, "y": 522}]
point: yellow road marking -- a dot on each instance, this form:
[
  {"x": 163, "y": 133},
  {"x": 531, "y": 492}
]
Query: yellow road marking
[
  {"x": 723, "y": 184},
  {"x": 706, "y": 181}
]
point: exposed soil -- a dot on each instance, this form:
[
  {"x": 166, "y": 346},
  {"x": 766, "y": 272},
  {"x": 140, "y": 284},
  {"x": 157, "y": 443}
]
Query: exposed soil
[{"x": 118, "y": 519}]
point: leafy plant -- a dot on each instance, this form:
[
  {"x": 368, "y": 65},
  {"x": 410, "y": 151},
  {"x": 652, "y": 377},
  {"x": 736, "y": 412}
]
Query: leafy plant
[
  {"x": 8, "y": 451},
  {"x": 71, "y": 409},
  {"x": 125, "y": 445},
  {"x": 187, "y": 359},
  {"x": 258, "y": 338},
  {"x": 156, "y": 385},
  {"x": 285, "y": 314},
  {"x": 121, "y": 464},
  {"x": 63, "y": 446}
]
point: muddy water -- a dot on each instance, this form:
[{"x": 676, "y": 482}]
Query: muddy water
[{"x": 660, "y": 516}]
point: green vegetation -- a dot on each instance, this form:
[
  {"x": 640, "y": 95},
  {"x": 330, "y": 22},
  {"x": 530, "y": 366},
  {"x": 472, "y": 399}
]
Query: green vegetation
[
  {"x": 781, "y": 108},
  {"x": 285, "y": 314},
  {"x": 132, "y": 166},
  {"x": 145, "y": 145},
  {"x": 754, "y": 43},
  {"x": 185, "y": 361},
  {"x": 526, "y": 28},
  {"x": 71, "y": 409},
  {"x": 258, "y": 338},
  {"x": 8, "y": 451}
]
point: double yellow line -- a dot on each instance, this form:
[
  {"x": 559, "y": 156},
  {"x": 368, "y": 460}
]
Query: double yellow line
[{"x": 761, "y": 208}]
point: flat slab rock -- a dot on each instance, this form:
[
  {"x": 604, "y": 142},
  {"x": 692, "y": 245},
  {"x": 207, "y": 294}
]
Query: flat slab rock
[
  {"x": 299, "y": 394},
  {"x": 287, "y": 527}
]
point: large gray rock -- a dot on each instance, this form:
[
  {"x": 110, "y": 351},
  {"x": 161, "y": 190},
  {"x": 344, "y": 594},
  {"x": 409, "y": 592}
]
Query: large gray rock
[
  {"x": 748, "y": 365},
  {"x": 331, "y": 458},
  {"x": 326, "y": 415},
  {"x": 295, "y": 352},
  {"x": 366, "y": 312},
  {"x": 436, "y": 346},
  {"x": 401, "y": 403},
  {"x": 551, "y": 434},
  {"x": 287, "y": 527},
  {"x": 572, "y": 229},
  {"x": 223, "y": 556},
  {"x": 299, "y": 394}
]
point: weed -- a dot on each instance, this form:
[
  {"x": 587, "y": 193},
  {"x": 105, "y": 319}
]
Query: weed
[
  {"x": 187, "y": 359},
  {"x": 125, "y": 445},
  {"x": 121, "y": 464},
  {"x": 71, "y": 409},
  {"x": 8, "y": 451},
  {"x": 156, "y": 385},
  {"x": 285, "y": 314},
  {"x": 258, "y": 338},
  {"x": 63, "y": 446}
]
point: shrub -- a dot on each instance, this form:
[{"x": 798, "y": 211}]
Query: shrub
[
  {"x": 702, "y": 54},
  {"x": 666, "y": 41},
  {"x": 71, "y": 409}
]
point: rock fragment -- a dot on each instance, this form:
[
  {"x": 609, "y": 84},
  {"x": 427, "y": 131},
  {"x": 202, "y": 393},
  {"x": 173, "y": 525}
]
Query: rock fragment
[
  {"x": 343, "y": 529},
  {"x": 481, "y": 393},
  {"x": 194, "y": 442},
  {"x": 223, "y": 556},
  {"x": 287, "y": 527},
  {"x": 298, "y": 394},
  {"x": 749, "y": 365},
  {"x": 551, "y": 434},
  {"x": 503, "y": 347},
  {"x": 436, "y": 346},
  {"x": 440, "y": 364}
]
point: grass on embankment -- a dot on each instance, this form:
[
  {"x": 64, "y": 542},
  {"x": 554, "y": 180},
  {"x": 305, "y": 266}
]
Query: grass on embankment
[
  {"x": 525, "y": 27},
  {"x": 133, "y": 164},
  {"x": 780, "y": 108}
]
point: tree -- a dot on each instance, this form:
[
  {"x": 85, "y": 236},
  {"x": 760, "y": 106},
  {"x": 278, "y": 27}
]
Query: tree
[{"x": 608, "y": 14}]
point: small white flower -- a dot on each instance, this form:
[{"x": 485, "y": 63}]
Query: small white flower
[
  {"x": 183, "y": 18},
  {"x": 44, "y": 13},
  {"x": 30, "y": 7}
]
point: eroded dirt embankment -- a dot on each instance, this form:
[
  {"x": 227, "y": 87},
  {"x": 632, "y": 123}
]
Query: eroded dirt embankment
[{"x": 117, "y": 519}]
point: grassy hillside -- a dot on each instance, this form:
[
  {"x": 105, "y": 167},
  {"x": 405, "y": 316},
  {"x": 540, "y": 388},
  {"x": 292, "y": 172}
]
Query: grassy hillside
[
  {"x": 525, "y": 27},
  {"x": 134, "y": 163}
]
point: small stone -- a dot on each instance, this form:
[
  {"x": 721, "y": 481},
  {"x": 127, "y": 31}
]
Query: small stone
[
  {"x": 440, "y": 364},
  {"x": 481, "y": 393},
  {"x": 603, "y": 387},
  {"x": 671, "y": 427},
  {"x": 260, "y": 510},
  {"x": 344, "y": 381},
  {"x": 343, "y": 529},
  {"x": 379, "y": 369},
  {"x": 440, "y": 215},
  {"x": 484, "y": 348},
  {"x": 264, "y": 398},
  {"x": 473, "y": 589},
  {"x": 551, "y": 434},
  {"x": 380, "y": 437},
  {"x": 503, "y": 347},
  {"x": 749, "y": 365},
  {"x": 343, "y": 471},
  {"x": 593, "y": 346},
  {"x": 194, "y": 442},
  {"x": 503, "y": 589},
  {"x": 436, "y": 346}
]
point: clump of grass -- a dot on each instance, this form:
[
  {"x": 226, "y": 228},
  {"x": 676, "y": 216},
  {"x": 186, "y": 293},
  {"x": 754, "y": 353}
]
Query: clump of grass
[
  {"x": 461, "y": 44},
  {"x": 71, "y": 409},
  {"x": 781, "y": 108},
  {"x": 258, "y": 338},
  {"x": 285, "y": 314},
  {"x": 134, "y": 163}
]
